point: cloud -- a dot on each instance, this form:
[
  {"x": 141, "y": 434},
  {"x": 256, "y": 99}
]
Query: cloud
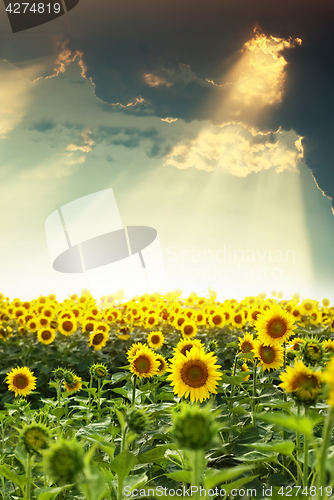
[
  {"x": 86, "y": 143},
  {"x": 169, "y": 119},
  {"x": 237, "y": 150},
  {"x": 43, "y": 126},
  {"x": 14, "y": 98},
  {"x": 155, "y": 81}
]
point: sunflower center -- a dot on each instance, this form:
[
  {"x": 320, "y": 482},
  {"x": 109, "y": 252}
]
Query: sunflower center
[
  {"x": 186, "y": 348},
  {"x": 155, "y": 339},
  {"x": 180, "y": 321},
  {"x": 267, "y": 354},
  {"x": 217, "y": 319},
  {"x": 194, "y": 373},
  {"x": 306, "y": 382},
  {"x": 255, "y": 315},
  {"x": 188, "y": 330},
  {"x": 314, "y": 351},
  {"x": 238, "y": 318},
  {"x": 142, "y": 364},
  {"x": 246, "y": 347},
  {"x": 20, "y": 381},
  {"x": 276, "y": 328},
  {"x": 67, "y": 326},
  {"x": 44, "y": 321},
  {"x": 98, "y": 339},
  {"x": 46, "y": 335},
  {"x": 308, "y": 306}
]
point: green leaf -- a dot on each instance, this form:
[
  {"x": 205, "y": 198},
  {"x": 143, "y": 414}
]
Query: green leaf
[
  {"x": 256, "y": 456},
  {"x": 136, "y": 481},
  {"x": 123, "y": 463},
  {"x": 246, "y": 355},
  {"x": 232, "y": 344},
  {"x": 12, "y": 476},
  {"x": 213, "y": 478},
  {"x": 122, "y": 392},
  {"x": 282, "y": 447},
  {"x": 153, "y": 455},
  {"x": 240, "y": 482},
  {"x": 47, "y": 493},
  {"x": 182, "y": 476},
  {"x": 292, "y": 422},
  {"x": 21, "y": 455}
]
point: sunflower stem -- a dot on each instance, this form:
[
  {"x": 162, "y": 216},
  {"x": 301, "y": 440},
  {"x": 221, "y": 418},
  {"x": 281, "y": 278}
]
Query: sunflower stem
[
  {"x": 134, "y": 383},
  {"x": 197, "y": 463},
  {"x": 298, "y": 447},
  {"x": 254, "y": 391},
  {"x": 98, "y": 394},
  {"x": 325, "y": 438},
  {"x": 89, "y": 399},
  {"x": 305, "y": 470},
  {"x": 28, "y": 472}
]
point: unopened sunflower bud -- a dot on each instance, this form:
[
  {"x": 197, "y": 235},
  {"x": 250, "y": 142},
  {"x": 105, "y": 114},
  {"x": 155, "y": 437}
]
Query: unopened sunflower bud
[
  {"x": 58, "y": 373},
  {"x": 212, "y": 346},
  {"x": 194, "y": 427},
  {"x": 137, "y": 421},
  {"x": 98, "y": 371},
  {"x": 69, "y": 377},
  {"x": 35, "y": 437},
  {"x": 64, "y": 461}
]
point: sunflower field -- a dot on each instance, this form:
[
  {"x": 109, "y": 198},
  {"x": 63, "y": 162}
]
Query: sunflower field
[{"x": 163, "y": 396}]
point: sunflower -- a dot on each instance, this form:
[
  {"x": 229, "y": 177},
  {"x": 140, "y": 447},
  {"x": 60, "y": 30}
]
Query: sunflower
[
  {"x": 88, "y": 325},
  {"x": 274, "y": 326},
  {"x": 329, "y": 345},
  {"x": 308, "y": 306},
  {"x": 200, "y": 318},
  {"x": 163, "y": 364},
  {"x": 21, "y": 381},
  {"x": 244, "y": 368},
  {"x": 325, "y": 302},
  {"x": 328, "y": 376},
  {"x": 33, "y": 325},
  {"x": 303, "y": 382},
  {"x": 46, "y": 336},
  {"x": 296, "y": 313},
  {"x": 246, "y": 344},
  {"x": 144, "y": 363},
  {"x": 98, "y": 340},
  {"x": 217, "y": 319},
  {"x": 75, "y": 386},
  {"x": 238, "y": 319},
  {"x": 124, "y": 332},
  {"x": 43, "y": 321},
  {"x": 186, "y": 344},
  {"x": 195, "y": 374},
  {"x": 151, "y": 320},
  {"x": 313, "y": 352},
  {"x": 189, "y": 329},
  {"x": 253, "y": 315},
  {"x": 67, "y": 326},
  {"x": 155, "y": 340},
  {"x": 133, "y": 350},
  {"x": 270, "y": 357},
  {"x": 296, "y": 343}
]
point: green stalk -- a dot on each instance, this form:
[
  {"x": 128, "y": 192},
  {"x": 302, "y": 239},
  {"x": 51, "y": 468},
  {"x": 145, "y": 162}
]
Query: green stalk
[
  {"x": 254, "y": 391},
  {"x": 28, "y": 472},
  {"x": 197, "y": 458},
  {"x": 134, "y": 383},
  {"x": 89, "y": 399},
  {"x": 298, "y": 447},
  {"x": 98, "y": 394},
  {"x": 325, "y": 438},
  {"x": 305, "y": 476}
]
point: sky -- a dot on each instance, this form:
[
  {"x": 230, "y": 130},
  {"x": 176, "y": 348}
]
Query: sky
[{"x": 210, "y": 121}]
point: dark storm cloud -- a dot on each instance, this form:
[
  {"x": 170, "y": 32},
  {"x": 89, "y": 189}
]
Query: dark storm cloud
[
  {"x": 180, "y": 44},
  {"x": 43, "y": 126},
  {"x": 133, "y": 138}
]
